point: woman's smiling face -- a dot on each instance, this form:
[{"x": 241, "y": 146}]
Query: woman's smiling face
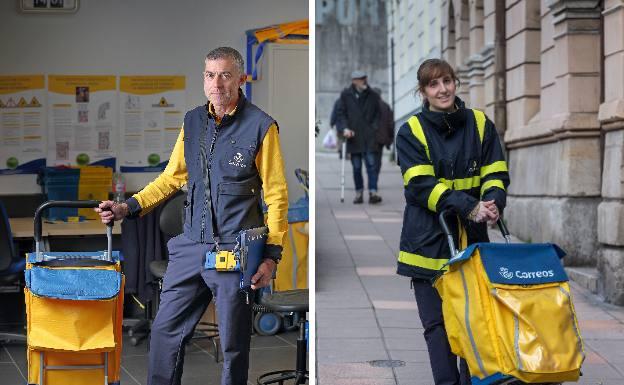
[{"x": 440, "y": 93}]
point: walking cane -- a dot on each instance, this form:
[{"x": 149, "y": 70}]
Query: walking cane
[{"x": 342, "y": 172}]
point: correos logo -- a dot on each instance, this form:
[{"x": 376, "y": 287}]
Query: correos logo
[
  {"x": 525, "y": 274},
  {"x": 506, "y": 273}
]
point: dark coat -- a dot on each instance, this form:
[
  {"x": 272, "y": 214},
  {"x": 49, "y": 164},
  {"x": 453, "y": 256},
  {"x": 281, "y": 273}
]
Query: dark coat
[
  {"x": 456, "y": 155},
  {"x": 385, "y": 131},
  {"x": 359, "y": 112}
]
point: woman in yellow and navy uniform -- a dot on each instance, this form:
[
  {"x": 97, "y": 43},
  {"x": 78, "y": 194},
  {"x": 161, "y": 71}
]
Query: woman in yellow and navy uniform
[{"x": 451, "y": 159}]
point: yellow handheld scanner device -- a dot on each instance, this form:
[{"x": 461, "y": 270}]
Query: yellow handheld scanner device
[{"x": 223, "y": 260}]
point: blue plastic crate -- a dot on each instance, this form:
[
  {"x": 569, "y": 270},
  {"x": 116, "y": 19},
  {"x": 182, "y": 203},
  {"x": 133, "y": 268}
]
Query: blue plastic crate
[
  {"x": 60, "y": 184},
  {"x": 299, "y": 211}
]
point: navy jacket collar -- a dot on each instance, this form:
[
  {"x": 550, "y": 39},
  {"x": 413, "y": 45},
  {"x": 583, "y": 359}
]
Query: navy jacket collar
[
  {"x": 446, "y": 122},
  {"x": 240, "y": 105}
]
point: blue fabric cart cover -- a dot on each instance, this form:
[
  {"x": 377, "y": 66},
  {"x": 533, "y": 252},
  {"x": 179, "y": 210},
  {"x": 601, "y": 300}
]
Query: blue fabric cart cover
[
  {"x": 73, "y": 284},
  {"x": 518, "y": 263}
]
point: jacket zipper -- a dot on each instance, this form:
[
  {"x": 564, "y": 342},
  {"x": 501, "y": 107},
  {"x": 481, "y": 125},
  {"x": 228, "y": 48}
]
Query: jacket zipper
[{"x": 210, "y": 152}]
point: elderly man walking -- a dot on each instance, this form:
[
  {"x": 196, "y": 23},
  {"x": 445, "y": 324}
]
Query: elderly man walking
[{"x": 357, "y": 119}]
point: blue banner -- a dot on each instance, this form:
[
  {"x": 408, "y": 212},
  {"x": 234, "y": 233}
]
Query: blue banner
[
  {"x": 522, "y": 264},
  {"x": 31, "y": 167}
]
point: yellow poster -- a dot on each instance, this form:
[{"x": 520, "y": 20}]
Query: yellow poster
[
  {"x": 22, "y": 117},
  {"x": 82, "y": 119},
  {"x": 152, "y": 111}
]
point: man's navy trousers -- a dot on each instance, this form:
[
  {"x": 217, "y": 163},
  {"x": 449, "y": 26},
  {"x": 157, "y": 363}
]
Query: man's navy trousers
[{"x": 187, "y": 290}]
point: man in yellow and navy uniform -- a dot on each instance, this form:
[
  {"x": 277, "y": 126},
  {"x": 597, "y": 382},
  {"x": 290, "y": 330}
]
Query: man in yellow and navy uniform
[
  {"x": 227, "y": 153},
  {"x": 450, "y": 161}
]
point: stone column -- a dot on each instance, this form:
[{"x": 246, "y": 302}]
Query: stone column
[
  {"x": 493, "y": 54},
  {"x": 462, "y": 49},
  {"x": 611, "y": 115},
  {"x": 555, "y": 156},
  {"x": 522, "y": 31},
  {"x": 475, "y": 63},
  {"x": 448, "y": 31}
]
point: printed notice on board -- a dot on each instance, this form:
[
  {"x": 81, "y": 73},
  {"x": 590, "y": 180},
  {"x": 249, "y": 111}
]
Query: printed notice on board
[
  {"x": 81, "y": 116},
  {"x": 22, "y": 124},
  {"x": 152, "y": 113}
]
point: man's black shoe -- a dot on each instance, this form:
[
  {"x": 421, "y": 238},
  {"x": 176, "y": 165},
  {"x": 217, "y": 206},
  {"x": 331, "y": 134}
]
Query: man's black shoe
[
  {"x": 358, "y": 199},
  {"x": 374, "y": 198}
]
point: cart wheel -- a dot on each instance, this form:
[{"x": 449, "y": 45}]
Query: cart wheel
[{"x": 267, "y": 324}]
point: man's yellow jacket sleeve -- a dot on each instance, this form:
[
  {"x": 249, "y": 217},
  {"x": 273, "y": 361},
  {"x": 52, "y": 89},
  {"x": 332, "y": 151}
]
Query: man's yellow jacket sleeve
[
  {"x": 166, "y": 184},
  {"x": 271, "y": 168}
]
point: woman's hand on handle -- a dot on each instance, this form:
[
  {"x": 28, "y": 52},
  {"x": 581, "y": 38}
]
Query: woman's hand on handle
[{"x": 484, "y": 212}]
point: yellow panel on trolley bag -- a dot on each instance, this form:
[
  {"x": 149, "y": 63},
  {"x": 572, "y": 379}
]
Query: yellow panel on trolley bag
[
  {"x": 74, "y": 318},
  {"x": 508, "y": 309}
]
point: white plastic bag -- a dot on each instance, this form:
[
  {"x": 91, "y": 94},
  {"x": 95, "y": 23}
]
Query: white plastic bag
[{"x": 330, "y": 141}]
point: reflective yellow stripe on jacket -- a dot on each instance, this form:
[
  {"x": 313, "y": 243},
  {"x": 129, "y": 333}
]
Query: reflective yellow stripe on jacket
[
  {"x": 500, "y": 166},
  {"x": 422, "y": 261}
]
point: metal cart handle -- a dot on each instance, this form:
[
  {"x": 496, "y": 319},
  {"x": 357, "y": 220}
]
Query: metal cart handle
[
  {"x": 449, "y": 236},
  {"x": 71, "y": 204}
]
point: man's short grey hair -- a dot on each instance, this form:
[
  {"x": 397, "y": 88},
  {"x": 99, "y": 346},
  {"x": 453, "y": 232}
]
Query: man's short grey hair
[{"x": 227, "y": 53}]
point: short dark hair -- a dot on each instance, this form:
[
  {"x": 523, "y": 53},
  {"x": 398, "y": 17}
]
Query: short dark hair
[
  {"x": 228, "y": 53},
  {"x": 432, "y": 69}
]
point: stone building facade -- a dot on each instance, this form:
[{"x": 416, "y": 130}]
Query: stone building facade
[
  {"x": 414, "y": 31},
  {"x": 550, "y": 74}
]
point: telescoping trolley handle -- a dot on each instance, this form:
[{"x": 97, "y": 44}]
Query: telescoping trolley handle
[
  {"x": 70, "y": 204},
  {"x": 449, "y": 236}
]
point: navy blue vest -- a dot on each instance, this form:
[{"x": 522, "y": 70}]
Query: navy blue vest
[{"x": 234, "y": 180}]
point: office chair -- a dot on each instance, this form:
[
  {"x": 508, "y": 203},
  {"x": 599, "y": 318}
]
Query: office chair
[
  {"x": 171, "y": 224},
  {"x": 11, "y": 268},
  {"x": 288, "y": 301}
]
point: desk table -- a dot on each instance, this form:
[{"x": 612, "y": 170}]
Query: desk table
[{"x": 25, "y": 228}]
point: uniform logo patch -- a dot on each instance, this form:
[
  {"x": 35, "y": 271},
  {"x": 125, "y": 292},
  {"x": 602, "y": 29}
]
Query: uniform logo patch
[
  {"x": 238, "y": 161},
  {"x": 473, "y": 168}
]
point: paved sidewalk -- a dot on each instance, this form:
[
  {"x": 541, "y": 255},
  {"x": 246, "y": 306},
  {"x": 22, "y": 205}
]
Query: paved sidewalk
[{"x": 366, "y": 314}]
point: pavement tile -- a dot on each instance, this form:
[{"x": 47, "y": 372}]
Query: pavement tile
[
  {"x": 411, "y": 341},
  {"x": 600, "y": 371},
  {"x": 354, "y": 301},
  {"x": 611, "y": 350},
  {"x": 338, "y": 350},
  {"x": 345, "y": 317},
  {"x": 413, "y": 333},
  {"x": 394, "y": 305},
  {"x": 11, "y": 375},
  {"x": 602, "y": 329},
  {"x": 350, "y": 333},
  {"x": 376, "y": 271},
  {"x": 329, "y": 380},
  {"x": 416, "y": 373},
  {"x": 421, "y": 355},
  {"x": 4, "y": 356},
  {"x": 360, "y": 370},
  {"x": 398, "y": 318}
]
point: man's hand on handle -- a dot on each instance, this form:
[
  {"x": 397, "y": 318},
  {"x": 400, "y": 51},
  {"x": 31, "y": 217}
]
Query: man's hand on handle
[
  {"x": 263, "y": 276},
  {"x": 110, "y": 210}
]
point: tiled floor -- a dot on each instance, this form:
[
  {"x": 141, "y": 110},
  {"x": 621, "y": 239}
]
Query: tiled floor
[{"x": 267, "y": 354}]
